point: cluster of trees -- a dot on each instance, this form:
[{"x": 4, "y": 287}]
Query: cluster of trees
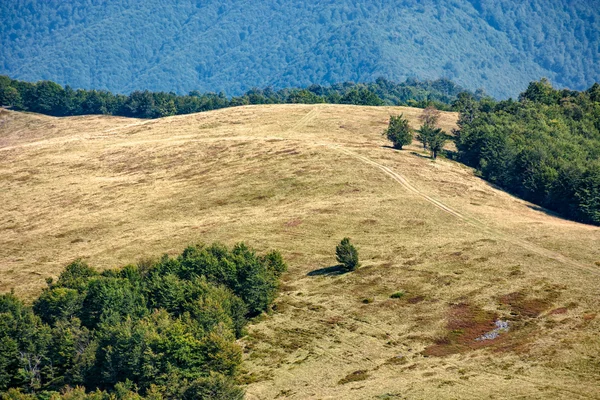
[
  {"x": 161, "y": 329},
  {"x": 50, "y": 98},
  {"x": 431, "y": 136},
  {"x": 211, "y": 45},
  {"x": 545, "y": 147}
]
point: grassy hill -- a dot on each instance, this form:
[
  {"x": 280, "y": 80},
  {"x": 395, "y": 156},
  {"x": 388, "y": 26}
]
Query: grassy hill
[
  {"x": 299, "y": 178},
  {"x": 124, "y": 45}
]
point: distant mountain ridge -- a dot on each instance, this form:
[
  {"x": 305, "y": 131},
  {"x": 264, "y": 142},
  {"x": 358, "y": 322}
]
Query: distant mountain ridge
[{"x": 184, "y": 45}]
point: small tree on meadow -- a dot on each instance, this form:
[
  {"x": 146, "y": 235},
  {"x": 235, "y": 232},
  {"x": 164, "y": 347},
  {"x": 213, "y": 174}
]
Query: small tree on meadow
[
  {"x": 347, "y": 255},
  {"x": 430, "y": 116},
  {"x": 424, "y": 134},
  {"x": 436, "y": 142},
  {"x": 398, "y": 131},
  {"x": 429, "y": 119}
]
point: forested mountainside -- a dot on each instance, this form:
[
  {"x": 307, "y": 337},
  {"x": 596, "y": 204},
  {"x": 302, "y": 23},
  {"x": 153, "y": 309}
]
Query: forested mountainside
[{"x": 184, "y": 45}]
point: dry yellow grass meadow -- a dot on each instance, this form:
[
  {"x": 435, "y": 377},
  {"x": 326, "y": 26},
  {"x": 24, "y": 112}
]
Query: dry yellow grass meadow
[{"x": 299, "y": 178}]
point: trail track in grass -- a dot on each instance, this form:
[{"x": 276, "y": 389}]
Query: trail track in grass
[{"x": 299, "y": 178}]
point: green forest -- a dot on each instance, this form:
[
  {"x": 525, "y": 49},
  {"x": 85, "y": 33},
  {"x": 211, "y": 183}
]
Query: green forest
[
  {"x": 233, "y": 46},
  {"x": 163, "y": 329},
  {"x": 544, "y": 148},
  {"x": 47, "y": 97}
]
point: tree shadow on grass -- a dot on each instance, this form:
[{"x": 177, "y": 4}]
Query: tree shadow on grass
[
  {"x": 328, "y": 271},
  {"x": 414, "y": 153},
  {"x": 389, "y": 147},
  {"x": 546, "y": 211}
]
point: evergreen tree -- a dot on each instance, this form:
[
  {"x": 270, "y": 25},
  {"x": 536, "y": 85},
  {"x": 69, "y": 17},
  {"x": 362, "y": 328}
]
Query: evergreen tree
[
  {"x": 398, "y": 132},
  {"x": 347, "y": 255},
  {"x": 436, "y": 142},
  {"x": 424, "y": 135}
]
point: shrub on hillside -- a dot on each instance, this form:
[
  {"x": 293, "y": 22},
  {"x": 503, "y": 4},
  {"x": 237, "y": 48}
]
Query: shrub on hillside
[{"x": 347, "y": 255}]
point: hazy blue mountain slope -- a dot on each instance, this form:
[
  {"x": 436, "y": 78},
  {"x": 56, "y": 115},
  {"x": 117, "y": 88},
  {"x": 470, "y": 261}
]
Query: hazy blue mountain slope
[{"x": 180, "y": 45}]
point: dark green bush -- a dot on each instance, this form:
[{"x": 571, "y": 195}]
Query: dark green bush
[
  {"x": 58, "y": 303},
  {"x": 347, "y": 255}
]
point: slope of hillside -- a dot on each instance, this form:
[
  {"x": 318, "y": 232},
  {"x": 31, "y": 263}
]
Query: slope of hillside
[
  {"x": 123, "y": 45},
  {"x": 298, "y": 179}
]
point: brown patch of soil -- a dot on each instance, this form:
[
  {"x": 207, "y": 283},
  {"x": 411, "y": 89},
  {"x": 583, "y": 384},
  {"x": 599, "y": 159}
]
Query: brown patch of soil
[
  {"x": 416, "y": 299},
  {"x": 466, "y": 323},
  {"x": 589, "y": 317},
  {"x": 397, "y": 360},
  {"x": 523, "y": 306},
  {"x": 561, "y": 310},
  {"x": 354, "y": 377},
  {"x": 293, "y": 223}
]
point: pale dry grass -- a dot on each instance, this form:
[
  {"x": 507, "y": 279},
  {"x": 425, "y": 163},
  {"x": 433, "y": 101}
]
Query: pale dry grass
[{"x": 299, "y": 178}]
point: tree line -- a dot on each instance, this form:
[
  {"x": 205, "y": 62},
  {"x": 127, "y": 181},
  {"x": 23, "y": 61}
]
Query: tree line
[
  {"x": 544, "y": 147},
  {"x": 50, "y": 98},
  {"x": 162, "y": 329}
]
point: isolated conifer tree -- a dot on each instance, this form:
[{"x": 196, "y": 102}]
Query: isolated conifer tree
[
  {"x": 398, "y": 131},
  {"x": 347, "y": 255}
]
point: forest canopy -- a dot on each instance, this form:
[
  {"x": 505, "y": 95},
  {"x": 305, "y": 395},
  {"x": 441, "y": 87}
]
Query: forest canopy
[
  {"x": 545, "y": 147},
  {"x": 126, "y": 45},
  {"x": 162, "y": 329},
  {"x": 47, "y": 97}
]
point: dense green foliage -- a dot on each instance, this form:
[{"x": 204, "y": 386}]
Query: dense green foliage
[
  {"x": 164, "y": 329},
  {"x": 347, "y": 255},
  {"x": 430, "y": 135},
  {"x": 210, "y": 45},
  {"x": 432, "y": 138},
  {"x": 436, "y": 141},
  {"x": 398, "y": 132},
  {"x": 544, "y": 147},
  {"x": 47, "y": 97}
]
